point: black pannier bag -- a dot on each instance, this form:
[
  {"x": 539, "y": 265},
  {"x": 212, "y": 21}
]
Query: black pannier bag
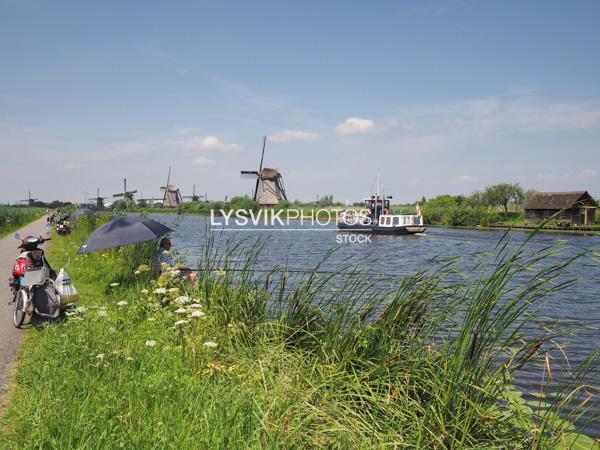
[{"x": 45, "y": 300}]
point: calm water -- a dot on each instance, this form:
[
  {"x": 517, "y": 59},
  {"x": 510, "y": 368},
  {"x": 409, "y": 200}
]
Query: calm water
[{"x": 578, "y": 307}]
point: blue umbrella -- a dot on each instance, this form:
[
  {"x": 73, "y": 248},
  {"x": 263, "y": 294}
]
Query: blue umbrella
[{"x": 123, "y": 231}]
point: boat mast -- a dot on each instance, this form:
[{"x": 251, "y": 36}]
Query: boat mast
[{"x": 377, "y": 211}]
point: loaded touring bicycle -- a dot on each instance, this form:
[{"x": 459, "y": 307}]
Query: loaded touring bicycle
[{"x": 33, "y": 286}]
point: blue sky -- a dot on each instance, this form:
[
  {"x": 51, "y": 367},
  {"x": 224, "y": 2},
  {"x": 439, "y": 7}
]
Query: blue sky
[{"x": 443, "y": 96}]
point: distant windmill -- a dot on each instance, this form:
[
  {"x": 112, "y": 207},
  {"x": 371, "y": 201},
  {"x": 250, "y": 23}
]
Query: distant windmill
[
  {"x": 127, "y": 195},
  {"x": 269, "y": 189},
  {"x": 193, "y": 197},
  {"x": 99, "y": 200},
  {"x": 172, "y": 197},
  {"x": 29, "y": 200}
]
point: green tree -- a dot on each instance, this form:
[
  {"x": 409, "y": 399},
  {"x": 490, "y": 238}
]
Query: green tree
[
  {"x": 528, "y": 193},
  {"x": 503, "y": 194}
]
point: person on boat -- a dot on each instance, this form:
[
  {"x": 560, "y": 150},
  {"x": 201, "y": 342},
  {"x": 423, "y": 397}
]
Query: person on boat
[{"x": 164, "y": 255}]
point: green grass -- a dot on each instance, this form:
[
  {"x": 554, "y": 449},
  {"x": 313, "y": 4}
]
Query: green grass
[
  {"x": 376, "y": 372},
  {"x": 12, "y": 218}
]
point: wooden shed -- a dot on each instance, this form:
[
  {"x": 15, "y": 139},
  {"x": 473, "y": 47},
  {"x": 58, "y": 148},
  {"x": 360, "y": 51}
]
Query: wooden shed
[{"x": 575, "y": 208}]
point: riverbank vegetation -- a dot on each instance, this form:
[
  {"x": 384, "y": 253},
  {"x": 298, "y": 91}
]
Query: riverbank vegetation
[
  {"x": 13, "y": 217},
  {"x": 253, "y": 361},
  {"x": 500, "y": 205}
]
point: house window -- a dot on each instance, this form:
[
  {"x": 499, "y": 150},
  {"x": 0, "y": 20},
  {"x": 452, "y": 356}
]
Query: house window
[
  {"x": 547, "y": 213},
  {"x": 563, "y": 214}
]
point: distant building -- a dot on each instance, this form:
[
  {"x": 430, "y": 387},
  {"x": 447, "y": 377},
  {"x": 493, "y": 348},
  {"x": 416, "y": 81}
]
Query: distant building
[{"x": 576, "y": 208}]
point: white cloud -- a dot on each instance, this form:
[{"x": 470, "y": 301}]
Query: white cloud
[
  {"x": 588, "y": 173},
  {"x": 294, "y": 135},
  {"x": 210, "y": 143},
  {"x": 203, "y": 161},
  {"x": 355, "y": 125}
]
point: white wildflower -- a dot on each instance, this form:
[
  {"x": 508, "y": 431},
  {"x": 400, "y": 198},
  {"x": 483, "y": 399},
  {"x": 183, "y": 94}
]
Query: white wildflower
[
  {"x": 150, "y": 343},
  {"x": 180, "y": 311},
  {"x": 197, "y": 313},
  {"x": 180, "y": 322},
  {"x": 122, "y": 303},
  {"x": 161, "y": 291},
  {"x": 151, "y": 319},
  {"x": 100, "y": 356},
  {"x": 81, "y": 309},
  {"x": 174, "y": 290},
  {"x": 129, "y": 358},
  {"x": 195, "y": 305},
  {"x": 102, "y": 313},
  {"x": 137, "y": 272},
  {"x": 182, "y": 300},
  {"x": 210, "y": 344},
  {"x": 144, "y": 291},
  {"x": 114, "y": 284}
]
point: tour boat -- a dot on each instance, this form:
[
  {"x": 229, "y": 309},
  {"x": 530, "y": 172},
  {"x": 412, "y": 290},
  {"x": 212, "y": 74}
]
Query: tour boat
[{"x": 375, "y": 218}]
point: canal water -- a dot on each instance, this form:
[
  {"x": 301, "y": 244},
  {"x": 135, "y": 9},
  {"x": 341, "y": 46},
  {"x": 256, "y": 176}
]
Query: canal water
[{"x": 574, "y": 312}]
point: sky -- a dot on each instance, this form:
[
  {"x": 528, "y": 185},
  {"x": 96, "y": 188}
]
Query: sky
[{"x": 443, "y": 97}]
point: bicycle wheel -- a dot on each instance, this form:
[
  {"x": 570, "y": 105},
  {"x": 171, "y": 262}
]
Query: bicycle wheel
[{"x": 19, "y": 311}]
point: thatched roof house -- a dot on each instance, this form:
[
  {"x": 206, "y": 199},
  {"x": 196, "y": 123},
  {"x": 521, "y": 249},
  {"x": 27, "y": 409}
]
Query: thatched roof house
[{"x": 576, "y": 208}]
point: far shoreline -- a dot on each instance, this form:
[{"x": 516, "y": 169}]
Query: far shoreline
[{"x": 460, "y": 227}]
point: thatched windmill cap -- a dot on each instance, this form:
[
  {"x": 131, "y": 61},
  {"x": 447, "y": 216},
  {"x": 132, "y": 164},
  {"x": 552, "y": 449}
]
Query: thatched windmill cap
[{"x": 269, "y": 174}]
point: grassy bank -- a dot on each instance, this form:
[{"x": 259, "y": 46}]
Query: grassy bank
[
  {"x": 150, "y": 362},
  {"x": 13, "y": 218}
]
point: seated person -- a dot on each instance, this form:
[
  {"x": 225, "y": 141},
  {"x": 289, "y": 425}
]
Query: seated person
[{"x": 164, "y": 255}]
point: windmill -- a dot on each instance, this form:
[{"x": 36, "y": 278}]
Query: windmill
[
  {"x": 29, "y": 200},
  {"x": 193, "y": 197},
  {"x": 127, "y": 195},
  {"x": 172, "y": 197},
  {"x": 269, "y": 189},
  {"x": 99, "y": 200}
]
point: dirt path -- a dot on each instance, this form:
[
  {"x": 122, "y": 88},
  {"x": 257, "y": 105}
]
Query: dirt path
[{"x": 9, "y": 335}]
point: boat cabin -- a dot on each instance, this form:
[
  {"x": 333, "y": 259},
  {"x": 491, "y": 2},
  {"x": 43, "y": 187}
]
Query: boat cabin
[
  {"x": 377, "y": 206},
  {"x": 402, "y": 220}
]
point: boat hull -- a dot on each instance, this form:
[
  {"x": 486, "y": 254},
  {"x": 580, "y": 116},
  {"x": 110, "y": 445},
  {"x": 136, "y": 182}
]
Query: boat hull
[{"x": 375, "y": 229}]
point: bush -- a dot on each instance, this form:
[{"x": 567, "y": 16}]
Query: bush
[{"x": 12, "y": 217}]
